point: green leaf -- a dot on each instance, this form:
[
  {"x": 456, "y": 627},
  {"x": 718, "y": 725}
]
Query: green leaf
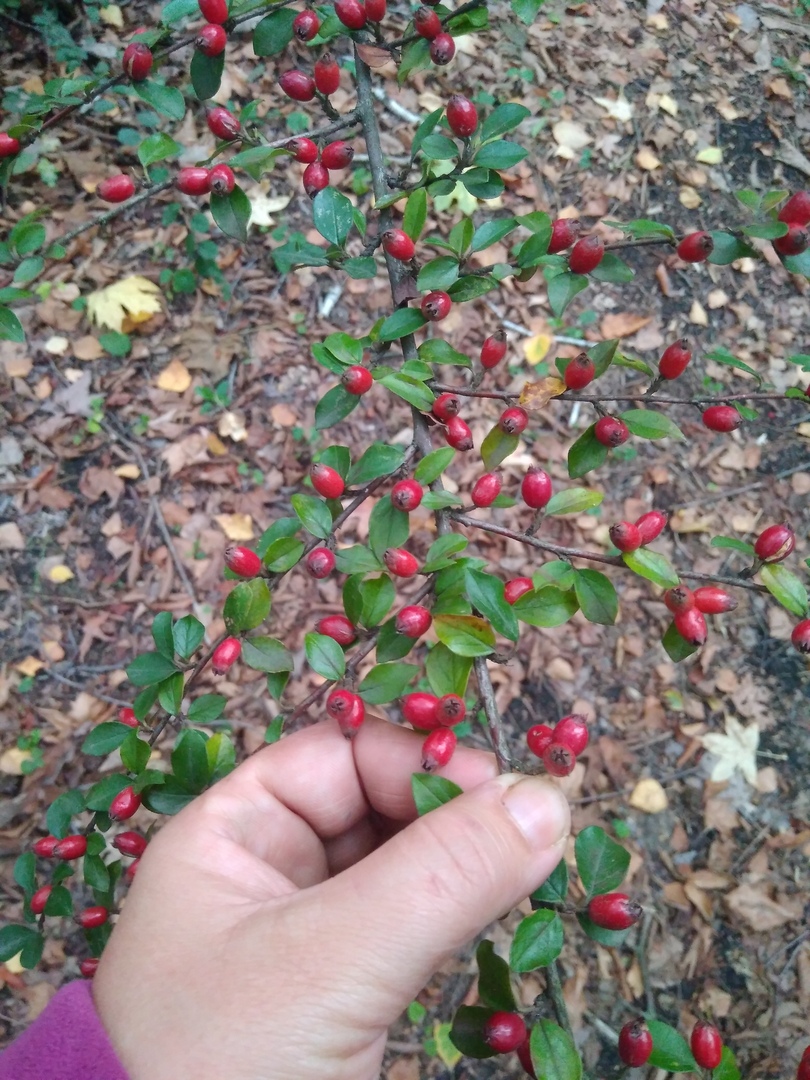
[
  {"x": 104, "y": 738},
  {"x": 391, "y": 645},
  {"x": 102, "y": 794},
  {"x": 447, "y": 673},
  {"x": 274, "y": 33},
  {"x": 586, "y": 454},
  {"x": 597, "y": 597},
  {"x": 491, "y": 232},
  {"x": 609, "y": 938},
  {"x": 62, "y": 809},
  {"x": 425, "y": 128},
  {"x": 562, "y": 290},
  {"x": 283, "y": 554},
  {"x": 603, "y": 355},
  {"x": 332, "y": 212},
  {"x": 465, "y": 635},
  {"x": 727, "y": 249},
  {"x": 573, "y": 501},
  {"x": 157, "y": 147},
  {"x": 734, "y": 544},
  {"x": 387, "y": 527},
  {"x": 537, "y": 942},
  {"x": 28, "y": 269},
  {"x": 467, "y": 1032},
  {"x": 221, "y": 756},
  {"x": 642, "y": 229},
  {"x": 413, "y": 220},
  {"x": 470, "y": 288},
  {"x": 611, "y": 268},
  {"x": 149, "y": 668},
  {"x": 357, "y": 560},
  {"x": 164, "y": 99},
  {"x": 205, "y": 709},
  {"x": 439, "y": 148},
  {"x": 25, "y": 871},
  {"x": 380, "y": 459},
  {"x": 651, "y": 425},
  {"x": 727, "y": 359},
  {"x": 13, "y": 939},
  {"x": 601, "y": 862},
  {"x": 135, "y": 753},
  {"x": 502, "y": 119},
  {"x": 385, "y": 682},
  {"x": 190, "y": 761},
  {"x": 376, "y": 598},
  {"x": 785, "y": 587},
  {"x": 162, "y": 634},
  {"x": 266, "y": 654},
  {"x": 482, "y": 183},
  {"x": 10, "y": 326},
  {"x": 438, "y": 500},
  {"x": 206, "y": 74},
  {"x": 554, "y": 889},
  {"x": 676, "y": 647},
  {"x": 727, "y": 1069},
  {"x": 485, "y": 593},
  {"x": 652, "y": 566},
  {"x": 526, "y": 10},
  {"x": 765, "y": 230},
  {"x": 500, "y": 155},
  {"x": 670, "y": 1049},
  {"x": 494, "y": 981},
  {"x": 439, "y": 273},
  {"x": 432, "y": 465},
  {"x": 28, "y": 237},
  {"x": 170, "y": 693},
  {"x": 360, "y": 267},
  {"x": 188, "y": 634},
  {"x": 334, "y": 406},
  {"x": 415, "y": 56},
  {"x": 437, "y": 351},
  {"x": 232, "y": 212},
  {"x": 497, "y": 446},
  {"x": 412, "y": 390},
  {"x": 247, "y": 605},
  {"x": 547, "y": 606},
  {"x": 325, "y": 656},
  {"x": 558, "y": 572},
  {"x": 441, "y": 551},
  {"x": 170, "y": 798},
  {"x": 404, "y": 321},
  {"x": 60, "y": 903},
  {"x": 553, "y": 1052},
  {"x": 314, "y": 514}
]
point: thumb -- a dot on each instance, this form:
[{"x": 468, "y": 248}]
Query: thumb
[{"x": 438, "y": 883}]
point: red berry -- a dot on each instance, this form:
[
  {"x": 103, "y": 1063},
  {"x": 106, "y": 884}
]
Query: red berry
[
  {"x": 124, "y": 804},
  {"x": 775, "y": 543},
  {"x": 137, "y": 61},
  {"x": 706, "y": 1045},
  {"x": 223, "y": 124},
  {"x": 348, "y": 709},
  {"x": 351, "y": 13},
  {"x": 436, "y": 306},
  {"x": 651, "y": 525},
  {"x": 327, "y": 77},
  {"x": 338, "y": 628},
  {"x": 801, "y": 636},
  {"x": 413, "y": 621},
  {"x": 804, "y": 1065},
  {"x": 625, "y": 536},
  {"x": 513, "y": 421},
  {"x": 116, "y": 189},
  {"x": 72, "y": 847},
  {"x": 326, "y": 481},
  {"x": 89, "y": 967},
  {"x": 635, "y": 1043},
  {"x": 9, "y": 146},
  {"x": 44, "y": 847},
  {"x": 222, "y": 180},
  {"x": 320, "y": 563},
  {"x": 794, "y": 242},
  {"x": 357, "y": 380},
  {"x": 494, "y": 349},
  {"x": 462, "y": 116},
  {"x": 797, "y": 209},
  {"x": 572, "y": 731},
  {"x": 398, "y": 244},
  {"x": 614, "y": 911},
  {"x": 674, "y": 359},
  {"x": 691, "y": 625},
  {"x": 541, "y": 736},
  {"x": 400, "y": 562},
  {"x": 407, "y": 494},
  {"x": 437, "y": 749},
  {"x": 610, "y": 431},
  {"x": 559, "y": 759},
  {"x": 679, "y": 599},
  {"x": 130, "y": 843},
  {"x": 303, "y": 150},
  {"x": 40, "y": 899},
  {"x": 696, "y": 247},
  {"x": 514, "y": 589},
  {"x": 564, "y": 233},
  {"x": 535, "y": 489},
  {"x": 92, "y": 917},
  {"x": 316, "y": 178},
  {"x": 214, "y": 11},
  {"x": 712, "y": 600},
  {"x": 419, "y": 709},
  {"x": 450, "y": 710},
  {"x": 243, "y": 561},
  {"x": 131, "y": 871},
  {"x": 458, "y": 434},
  {"x": 442, "y": 49},
  {"x": 487, "y": 489},
  {"x": 579, "y": 372},
  {"x": 211, "y": 40},
  {"x": 446, "y": 406},
  {"x": 426, "y": 23},
  {"x": 306, "y": 25},
  {"x": 524, "y": 1053},
  {"x": 225, "y": 655},
  {"x": 505, "y": 1032},
  {"x": 586, "y": 255},
  {"x": 375, "y": 10},
  {"x": 337, "y": 155},
  {"x": 721, "y": 418},
  {"x": 194, "y": 181},
  {"x": 297, "y": 85}
]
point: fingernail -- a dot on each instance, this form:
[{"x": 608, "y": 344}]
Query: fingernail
[{"x": 539, "y": 809}]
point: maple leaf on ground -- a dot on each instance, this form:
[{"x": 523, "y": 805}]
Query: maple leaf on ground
[
  {"x": 737, "y": 749},
  {"x": 135, "y": 296}
]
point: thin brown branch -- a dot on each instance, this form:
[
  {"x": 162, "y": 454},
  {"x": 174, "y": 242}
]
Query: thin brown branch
[
  {"x": 497, "y": 735},
  {"x": 573, "y": 395},
  {"x": 399, "y": 42},
  {"x": 554, "y": 992}
]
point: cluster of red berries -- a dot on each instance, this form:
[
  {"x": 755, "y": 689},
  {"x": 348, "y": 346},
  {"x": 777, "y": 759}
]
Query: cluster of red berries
[
  {"x": 334, "y": 156},
  {"x": 428, "y": 25},
  {"x": 437, "y": 716},
  {"x": 210, "y": 41},
  {"x": 559, "y": 747},
  {"x": 630, "y": 536},
  {"x": 354, "y": 14},
  {"x": 689, "y": 609},
  {"x": 325, "y": 77},
  {"x": 636, "y": 1044}
]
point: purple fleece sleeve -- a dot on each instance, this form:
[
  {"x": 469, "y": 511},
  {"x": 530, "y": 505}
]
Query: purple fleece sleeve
[{"x": 66, "y": 1042}]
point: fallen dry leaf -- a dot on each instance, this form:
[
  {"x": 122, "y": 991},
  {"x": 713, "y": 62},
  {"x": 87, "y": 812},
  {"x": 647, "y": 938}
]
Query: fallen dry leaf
[
  {"x": 88, "y": 348},
  {"x": 761, "y": 912},
  {"x": 56, "y": 345},
  {"x": 737, "y": 749},
  {"x": 711, "y": 155},
  {"x": 648, "y": 795},
  {"x": 236, "y": 526},
  {"x": 283, "y": 416},
  {"x": 617, "y": 108},
  {"x": 135, "y": 296},
  {"x": 232, "y": 426},
  {"x": 537, "y": 395},
  {"x": 11, "y": 539},
  {"x": 569, "y": 137},
  {"x": 646, "y": 159},
  {"x": 622, "y": 324},
  {"x": 29, "y": 666},
  {"x": 59, "y": 574},
  {"x": 175, "y": 378},
  {"x": 111, "y": 15},
  {"x": 536, "y": 348},
  {"x": 130, "y": 471},
  {"x": 11, "y": 760}
]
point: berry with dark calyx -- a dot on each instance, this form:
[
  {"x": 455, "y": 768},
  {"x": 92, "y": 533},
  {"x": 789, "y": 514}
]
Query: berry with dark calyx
[
  {"x": 504, "y": 1032},
  {"x": 494, "y": 349},
  {"x": 351, "y": 13},
  {"x": 696, "y": 247},
  {"x": 442, "y": 49},
  {"x": 338, "y": 628},
  {"x": 614, "y": 911},
  {"x": 564, "y": 233},
  {"x": 513, "y": 421},
  {"x": 419, "y": 709},
  {"x": 211, "y": 40},
  {"x": 44, "y": 847},
  {"x": 559, "y": 759},
  {"x": 797, "y": 209},
  {"x": 9, "y": 146},
  {"x": 337, "y": 155},
  {"x": 775, "y": 543},
  {"x": 137, "y": 61},
  {"x": 450, "y": 710},
  {"x": 674, "y": 359},
  {"x": 40, "y": 899},
  {"x": 407, "y": 494},
  {"x": 340, "y": 703},
  {"x": 130, "y": 843},
  {"x": 651, "y": 525},
  {"x": 680, "y": 598},
  {"x": 89, "y": 967},
  {"x": 535, "y": 488},
  {"x": 306, "y": 25},
  {"x": 225, "y": 655},
  {"x": 635, "y": 1043},
  {"x": 426, "y": 23},
  {"x": 800, "y": 638},
  {"x": 398, "y": 245},
  {"x": 625, "y": 536},
  {"x": 222, "y": 179},
  {"x": 92, "y": 917},
  {"x": 326, "y": 480},
  {"x": 572, "y": 731},
  {"x": 320, "y": 563},
  {"x": 803, "y": 1072},
  {"x": 223, "y": 124},
  {"x": 72, "y": 847},
  {"x": 437, "y": 749},
  {"x": 579, "y": 372},
  {"x": 712, "y": 600},
  {"x": 124, "y": 804},
  {"x": 462, "y": 116},
  {"x": 303, "y": 150},
  {"x": 486, "y": 490},
  {"x": 214, "y": 11},
  {"x": 316, "y": 178},
  {"x": 514, "y": 589},
  {"x": 611, "y": 432},
  {"x": 127, "y": 716},
  {"x": 691, "y": 625},
  {"x": 243, "y": 562},
  {"x": 436, "y": 306},
  {"x": 706, "y": 1045},
  {"x": 586, "y": 254},
  {"x": 375, "y": 10},
  {"x": 524, "y": 1053},
  {"x": 297, "y": 85},
  {"x": 446, "y": 406},
  {"x": 116, "y": 189},
  {"x": 348, "y": 709},
  {"x": 723, "y": 418},
  {"x": 400, "y": 562},
  {"x": 539, "y": 737},
  {"x": 357, "y": 380},
  {"x": 413, "y": 621},
  {"x": 194, "y": 181},
  {"x": 326, "y": 74},
  {"x": 458, "y": 434},
  {"x": 794, "y": 242}
]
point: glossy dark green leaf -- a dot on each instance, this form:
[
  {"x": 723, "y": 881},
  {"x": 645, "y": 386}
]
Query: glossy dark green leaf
[
  {"x": 503, "y": 118},
  {"x": 499, "y": 155},
  {"x": 601, "y": 862},
  {"x": 187, "y": 635},
  {"x": 554, "y": 889},
  {"x": 413, "y": 220},
  {"x": 334, "y": 406},
  {"x": 728, "y": 1068},
  {"x": 447, "y": 672},
  {"x": 206, "y": 709},
  {"x": 491, "y": 232},
  {"x": 314, "y": 514},
  {"x": 157, "y": 147},
  {"x": 102, "y": 794},
  {"x": 573, "y": 501},
  {"x": 221, "y": 756},
  {"x": 247, "y": 605},
  {"x": 486, "y": 594},
  {"x": 465, "y": 635},
  {"x": 439, "y": 148},
  {"x": 547, "y": 606},
  {"x": 652, "y": 566},
  {"x": 733, "y": 544},
  {"x": 386, "y": 682},
  {"x": 597, "y": 597},
  {"x": 104, "y": 738},
  {"x": 135, "y": 753},
  {"x": 166, "y": 100},
  {"x": 357, "y": 560},
  {"x": 562, "y": 289},
  {"x": 647, "y": 424},
  {"x": 786, "y": 588},
  {"x": 482, "y": 183},
  {"x": 361, "y": 267},
  {"x": 471, "y": 287},
  {"x": 404, "y": 321},
  {"x": 332, "y": 212},
  {"x": 10, "y": 326},
  {"x": 190, "y": 761},
  {"x": 324, "y": 656},
  {"x": 60, "y": 903},
  {"x": 379, "y": 459},
  {"x": 537, "y": 942},
  {"x": 162, "y": 634},
  {"x": 25, "y": 871},
  {"x": 727, "y": 249},
  {"x": 13, "y": 939},
  {"x": 676, "y": 647},
  {"x": 266, "y": 654},
  {"x": 232, "y": 213},
  {"x": 611, "y": 268},
  {"x": 62, "y": 810},
  {"x": 274, "y": 33},
  {"x": 526, "y": 10},
  {"x": 467, "y": 1032},
  {"x": 283, "y": 554},
  {"x": 206, "y": 74},
  {"x": 387, "y": 527},
  {"x": 670, "y": 1049},
  {"x": 441, "y": 552},
  {"x": 497, "y": 446},
  {"x": 390, "y": 644},
  {"x": 170, "y": 798},
  {"x": 554, "y": 1055},
  {"x": 439, "y": 273},
  {"x": 494, "y": 980},
  {"x": 586, "y": 454},
  {"x": 425, "y": 128},
  {"x": 432, "y": 466},
  {"x": 149, "y": 668}
]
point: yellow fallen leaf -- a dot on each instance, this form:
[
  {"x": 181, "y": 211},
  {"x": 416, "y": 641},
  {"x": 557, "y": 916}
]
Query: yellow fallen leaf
[
  {"x": 215, "y": 445},
  {"x": 136, "y": 296},
  {"x": 668, "y": 104},
  {"x": 130, "y": 471},
  {"x": 57, "y": 345},
  {"x": 111, "y": 15},
  {"x": 697, "y": 314},
  {"x": 232, "y": 426},
  {"x": 569, "y": 137},
  {"x": 535, "y": 348},
  {"x": 236, "y": 526},
  {"x": 649, "y": 796},
  {"x": 52, "y": 651},
  {"x": 617, "y": 108},
  {"x": 727, "y": 110},
  {"x": 59, "y": 574},
  {"x": 537, "y": 395},
  {"x": 11, "y": 760},
  {"x": 689, "y": 198},
  {"x": 711, "y": 155},
  {"x": 646, "y": 159},
  {"x": 175, "y": 378},
  {"x": 29, "y": 666}
]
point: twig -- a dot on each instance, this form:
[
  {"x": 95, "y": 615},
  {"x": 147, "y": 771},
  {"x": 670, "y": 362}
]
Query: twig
[
  {"x": 497, "y": 734},
  {"x": 83, "y": 686},
  {"x": 399, "y": 42},
  {"x": 571, "y": 395},
  {"x": 554, "y": 991}
]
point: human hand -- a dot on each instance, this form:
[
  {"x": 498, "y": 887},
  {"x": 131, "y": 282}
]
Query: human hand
[{"x": 283, "y": 920}]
